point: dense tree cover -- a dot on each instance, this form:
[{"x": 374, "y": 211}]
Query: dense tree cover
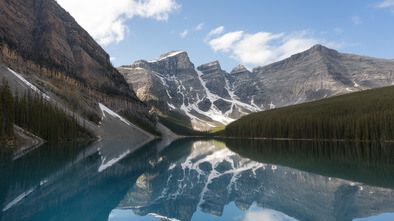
[
  {"x": 6, "y": 112},
  {"x": 36, "y": 115},
  {"x": 365, "y": 115}
]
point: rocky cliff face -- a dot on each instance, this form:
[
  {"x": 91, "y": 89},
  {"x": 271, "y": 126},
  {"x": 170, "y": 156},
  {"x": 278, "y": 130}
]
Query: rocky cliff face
[
  {"x": 317, "y": 73},
  {"x": 209, "y": 96},
  {"x": 41, "y": 41},
  {"x": 171, "y": 83}
]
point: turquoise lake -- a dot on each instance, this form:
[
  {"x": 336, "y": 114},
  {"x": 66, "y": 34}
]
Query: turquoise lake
[{"x": 199, "y": 179}]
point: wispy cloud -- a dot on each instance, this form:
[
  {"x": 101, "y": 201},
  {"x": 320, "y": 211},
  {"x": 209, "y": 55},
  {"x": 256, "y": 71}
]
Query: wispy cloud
[
  {"x": 386, "y": 4},
  {"x": 198, "y": 27},
  {"x": 214, "y": 32},
  {"x": 105, "y": 20},
  {"x": 184, "y": 33},
  {"x": 264, "y": 47},
  {"x": 356, "y": 20},
  {"x": 338, "y": 30},
  {"x": 226, "y": 42}
]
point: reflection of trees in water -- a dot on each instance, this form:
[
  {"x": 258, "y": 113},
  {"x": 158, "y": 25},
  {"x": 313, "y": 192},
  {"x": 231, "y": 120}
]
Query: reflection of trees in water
[
  {"x": 75, "y": 190},
  {"x": 367, "y": 162}
]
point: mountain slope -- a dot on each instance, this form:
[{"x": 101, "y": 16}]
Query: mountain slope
[
  {"x": 172, "y": 85},
  {"x": 317, "y": 73},
  {"x": 210, "y": 96},
  {"x": 365, "y": 115},
  {"x": 43, "y": 43}
]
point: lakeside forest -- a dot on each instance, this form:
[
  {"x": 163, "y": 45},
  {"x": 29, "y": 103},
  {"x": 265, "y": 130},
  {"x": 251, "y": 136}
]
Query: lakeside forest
[
  {"x": 38, "y": 116},
  {"x": 366, "y": 115}
]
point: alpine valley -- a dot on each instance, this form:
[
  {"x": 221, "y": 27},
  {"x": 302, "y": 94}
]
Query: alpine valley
[
  {"x": 44, "y": 50},
  {"x": 167, "y": 139},
  {"x": 210, "y": 97}
]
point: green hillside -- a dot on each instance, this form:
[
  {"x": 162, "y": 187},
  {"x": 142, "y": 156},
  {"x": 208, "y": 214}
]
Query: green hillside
[{"x": 365, "y": 115}]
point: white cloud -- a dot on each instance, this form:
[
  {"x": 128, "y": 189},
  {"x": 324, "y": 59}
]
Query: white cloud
[
  {"x": 387, "y": 4},
  {"x": 214, "y": 32},
  {"x": 356, "y": 20},
  {"x": 198, "y": 27},
  {"x": 112, "y": 59},
  {"x": 105, "y": 20},
  {"x": 184, "y": 33},
  {"x": 263, "y": 47},
  {"x": 254, "y": 48},
  {"x": 339, "y": 45},
  {"x": 226, "y": 42}
]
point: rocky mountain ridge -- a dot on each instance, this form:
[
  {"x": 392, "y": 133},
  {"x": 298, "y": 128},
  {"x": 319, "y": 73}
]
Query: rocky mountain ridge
[
  {"x": 172, "y": 83},
  {"x": 44, "y": 44},
  {"x": 210, "y": 96}
]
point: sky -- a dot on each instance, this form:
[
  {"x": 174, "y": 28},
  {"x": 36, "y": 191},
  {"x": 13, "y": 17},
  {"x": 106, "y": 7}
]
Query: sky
[{"x": 249, "y": 32}]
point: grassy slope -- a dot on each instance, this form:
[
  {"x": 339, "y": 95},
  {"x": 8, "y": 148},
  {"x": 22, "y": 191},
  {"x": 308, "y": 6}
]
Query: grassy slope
[{"x": 365, "y": 115}]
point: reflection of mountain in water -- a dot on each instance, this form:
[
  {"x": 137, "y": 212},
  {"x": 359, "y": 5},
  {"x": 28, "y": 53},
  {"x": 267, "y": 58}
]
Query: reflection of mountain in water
[
  {"x": 212, "y": 176},
  {"x": 184, "y": 177},
  {"x": 73, "y": 189}
]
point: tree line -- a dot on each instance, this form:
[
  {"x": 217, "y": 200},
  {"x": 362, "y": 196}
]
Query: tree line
[
  {"x": 37, "y": 115},
  {"x": 366, "y": 115}
]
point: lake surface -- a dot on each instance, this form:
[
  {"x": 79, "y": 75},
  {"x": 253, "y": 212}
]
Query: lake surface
[{"x": 199, "y": 180}]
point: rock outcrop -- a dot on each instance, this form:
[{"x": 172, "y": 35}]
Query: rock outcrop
[
  {"x": 42, "y": 42},
  {"x": 171, "y": 83}
]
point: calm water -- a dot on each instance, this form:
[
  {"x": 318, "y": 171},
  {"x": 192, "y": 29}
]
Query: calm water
[{"x": 200, "y": 180}]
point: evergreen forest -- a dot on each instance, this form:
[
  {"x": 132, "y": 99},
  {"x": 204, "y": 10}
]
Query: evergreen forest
[
  {"x": 366, "y": 115},
  {"x": 35, "y": 114}
]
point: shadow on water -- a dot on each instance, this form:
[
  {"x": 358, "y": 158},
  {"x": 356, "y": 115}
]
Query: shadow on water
[{"x": 371, "y": 163}]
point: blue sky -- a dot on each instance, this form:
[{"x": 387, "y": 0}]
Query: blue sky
[{"x": 252, "y": 32}]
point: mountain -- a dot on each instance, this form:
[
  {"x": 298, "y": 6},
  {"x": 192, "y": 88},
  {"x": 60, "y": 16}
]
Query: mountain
[
  {"x": 209, "y": 96},
  {"x": 43, "y": 44},
  {"x": 317, "y": 73},
  {"x": 171, "y": 84}
]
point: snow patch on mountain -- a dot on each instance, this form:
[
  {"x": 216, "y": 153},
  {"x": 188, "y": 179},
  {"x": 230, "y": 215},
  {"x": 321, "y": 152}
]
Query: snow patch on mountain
[
  {"x": 29, "y": 84},
  {"x": 233, "y": 99},
  {"x": 164, "y": 56},
  {"x": 105, "y": 109}
]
